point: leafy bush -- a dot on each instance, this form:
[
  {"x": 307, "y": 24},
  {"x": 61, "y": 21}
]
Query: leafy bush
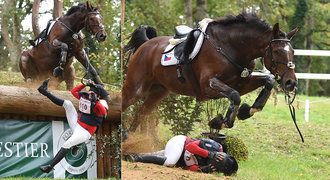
[
  {"x": 237, "y": 148},
  {"x": 180, "y": 112}
]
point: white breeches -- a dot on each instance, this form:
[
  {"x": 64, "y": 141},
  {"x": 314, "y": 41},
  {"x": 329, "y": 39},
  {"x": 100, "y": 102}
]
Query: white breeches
[
  {"x": 79, "y": 134},
  {"x": 174, "y": 149}
]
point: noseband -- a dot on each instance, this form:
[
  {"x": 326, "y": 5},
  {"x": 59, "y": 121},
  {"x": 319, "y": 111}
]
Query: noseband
[{"x": 274, "y": 63}]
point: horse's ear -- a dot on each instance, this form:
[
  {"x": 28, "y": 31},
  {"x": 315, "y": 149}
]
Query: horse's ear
[
  {"x": 292, "y": 33},
  {"x": 276, "y": 30},
  {"x": 88, "y": 6}
]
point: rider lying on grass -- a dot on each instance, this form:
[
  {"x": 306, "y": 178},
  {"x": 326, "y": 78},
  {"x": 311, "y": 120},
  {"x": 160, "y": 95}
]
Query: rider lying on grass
[{"x": 203, "y": 155}]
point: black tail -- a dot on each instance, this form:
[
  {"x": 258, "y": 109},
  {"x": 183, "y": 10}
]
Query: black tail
[{"x": 140, "y": 36}]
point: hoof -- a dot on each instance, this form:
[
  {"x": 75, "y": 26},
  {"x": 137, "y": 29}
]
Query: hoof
[
  {"x": 57, "y": 71},
  {"x": 244, "y": 112},
  {"x": 217, "y": 122}
]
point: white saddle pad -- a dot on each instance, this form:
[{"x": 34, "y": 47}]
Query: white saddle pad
[{"x": 169, "y": 59}]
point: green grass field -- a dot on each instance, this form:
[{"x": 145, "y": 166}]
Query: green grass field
[{"x": 275, "y": 149}]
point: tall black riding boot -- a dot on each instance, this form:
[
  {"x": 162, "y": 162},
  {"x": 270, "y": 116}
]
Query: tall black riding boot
[
  {"x": 59, "y": 156},
  {"x": 160, "y": 160},
  {"x": 43, "y": 89}
]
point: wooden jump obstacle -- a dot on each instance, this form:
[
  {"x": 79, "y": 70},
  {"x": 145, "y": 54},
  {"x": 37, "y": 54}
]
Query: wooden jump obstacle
[{"x": 28, "y": 104}]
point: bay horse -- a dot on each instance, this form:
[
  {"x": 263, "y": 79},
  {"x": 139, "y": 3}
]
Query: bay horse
[
  {"x": 54, "y": 56},
  {"x": 230, "y": 46}
]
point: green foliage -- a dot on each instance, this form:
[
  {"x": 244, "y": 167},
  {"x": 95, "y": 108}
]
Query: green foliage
[
  {"x": 110, "y": 146},
  {"x": 105, "y": 56},
  {"x": 181, "y": 113},
  {"x": 237, "y": 148}
]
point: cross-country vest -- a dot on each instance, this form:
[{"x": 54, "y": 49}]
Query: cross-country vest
[
  {"x": 207, "y": 144},
  {"x": 86, "y": 112}
]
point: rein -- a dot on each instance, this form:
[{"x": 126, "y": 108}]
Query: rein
[
  {"x": 244, "y": 71},
  {"x": 289, "y": 100}
]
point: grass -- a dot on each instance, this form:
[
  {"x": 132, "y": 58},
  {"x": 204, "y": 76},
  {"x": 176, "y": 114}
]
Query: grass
[{"x": 275, "y": 149}]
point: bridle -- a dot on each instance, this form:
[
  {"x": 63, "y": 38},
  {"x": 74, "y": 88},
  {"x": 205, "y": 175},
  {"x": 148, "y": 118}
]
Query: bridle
[
  {"x": 75, "y": 35},
  {"x": 89, "y": 26},
  {"x": 275, "y": 63}
]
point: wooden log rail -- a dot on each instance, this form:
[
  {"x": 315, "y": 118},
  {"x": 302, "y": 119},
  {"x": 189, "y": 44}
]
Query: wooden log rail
[{"x": 28, "y": 101}]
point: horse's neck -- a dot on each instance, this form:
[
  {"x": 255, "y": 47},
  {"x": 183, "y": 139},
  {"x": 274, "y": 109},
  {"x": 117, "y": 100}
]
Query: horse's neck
[
  {"x": 75, "y": 21},
  {"x": 244, "y": 47}
]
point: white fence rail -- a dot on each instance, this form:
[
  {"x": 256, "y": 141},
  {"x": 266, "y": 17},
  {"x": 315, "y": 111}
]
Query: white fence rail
[{"x": 302, "y": 52}]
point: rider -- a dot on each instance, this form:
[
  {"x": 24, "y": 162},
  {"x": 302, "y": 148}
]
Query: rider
[
  {"x": 203, "y": 155},
  {"x": 92, "y": 111}
]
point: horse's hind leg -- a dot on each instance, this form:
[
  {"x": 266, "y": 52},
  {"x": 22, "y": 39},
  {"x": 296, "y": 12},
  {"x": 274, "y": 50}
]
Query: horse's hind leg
[
  {"x": 156, "y": 94},
  {"x": 245, "y": 111},
  {"x": 217, "y": 89}
]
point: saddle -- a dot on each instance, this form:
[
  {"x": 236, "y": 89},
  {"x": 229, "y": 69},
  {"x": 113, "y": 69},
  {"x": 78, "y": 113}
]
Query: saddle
[
  {"x": 185, "y": 48},
  {"x": 42, "y": 36}
]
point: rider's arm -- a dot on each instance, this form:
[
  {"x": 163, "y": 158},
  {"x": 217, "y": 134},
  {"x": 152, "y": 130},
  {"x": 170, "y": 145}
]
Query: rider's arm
[
  {"x": 75, "y": 90},
  {"x": 99, "y": 109},
  {"x": 195, "y": 149},
  {"x": 193, "y": 167}
]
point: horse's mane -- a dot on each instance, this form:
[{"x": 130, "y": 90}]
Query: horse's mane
[
  {"x": 243, "y": 18},
  {"x": 80, "y": 7}
]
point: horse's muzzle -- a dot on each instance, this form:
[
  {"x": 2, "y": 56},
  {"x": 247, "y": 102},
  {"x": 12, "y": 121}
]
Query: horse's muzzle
[
  {"x": 290, "y": 85},
  {"x": 101, "y": 36}
]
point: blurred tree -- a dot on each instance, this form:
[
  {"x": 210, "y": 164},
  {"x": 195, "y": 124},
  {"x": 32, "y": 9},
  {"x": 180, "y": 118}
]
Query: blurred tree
[
  {"x": 35, "y": 17},
  {"x": 58, "y": 8},
  {"x": 188, "y": 12},
  {"x": 201, "y": 11},
  {"x": 12, "y": 14}
]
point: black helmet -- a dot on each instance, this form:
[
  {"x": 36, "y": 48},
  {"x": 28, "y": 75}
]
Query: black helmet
[
  {"x": 227, "y": 166},
  {"x": 99, "y": 90}
]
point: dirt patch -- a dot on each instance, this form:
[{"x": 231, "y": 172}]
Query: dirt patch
[{"x": 142, "y": 171}]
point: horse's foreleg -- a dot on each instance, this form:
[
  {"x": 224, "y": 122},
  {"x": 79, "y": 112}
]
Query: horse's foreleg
[
  {"x": 68, "y": 75},
  {"x": 64, "y": 52},
  {"x": 223, "y": 90},
  {"x": 245, "y": 111},
  {"x": 84, "y": 60}
]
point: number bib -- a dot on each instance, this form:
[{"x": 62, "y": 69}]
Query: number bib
[
  {"x": 190, "y": 158},
  {"x": 85, "y": 106}
]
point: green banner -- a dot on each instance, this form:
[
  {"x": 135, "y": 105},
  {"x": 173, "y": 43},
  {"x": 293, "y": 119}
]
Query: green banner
[{"x": 26, "y": 145}]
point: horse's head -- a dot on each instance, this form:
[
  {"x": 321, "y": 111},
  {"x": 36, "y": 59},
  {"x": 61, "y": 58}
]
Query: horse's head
[
  {"x": 94, "y": 23},
  {"x": 279, "y": 58}
]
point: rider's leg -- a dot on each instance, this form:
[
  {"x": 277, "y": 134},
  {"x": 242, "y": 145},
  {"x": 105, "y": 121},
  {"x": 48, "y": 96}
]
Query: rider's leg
[
  {"x": 43, "y": 89},
  {"x": 79, "y": 136},
  {"x": 64, "y": 51}
]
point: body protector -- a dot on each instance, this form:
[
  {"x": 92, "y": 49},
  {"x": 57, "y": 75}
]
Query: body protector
[
  {"x": 207, "y": 144},
  {"x": 86, "y": 106}
]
